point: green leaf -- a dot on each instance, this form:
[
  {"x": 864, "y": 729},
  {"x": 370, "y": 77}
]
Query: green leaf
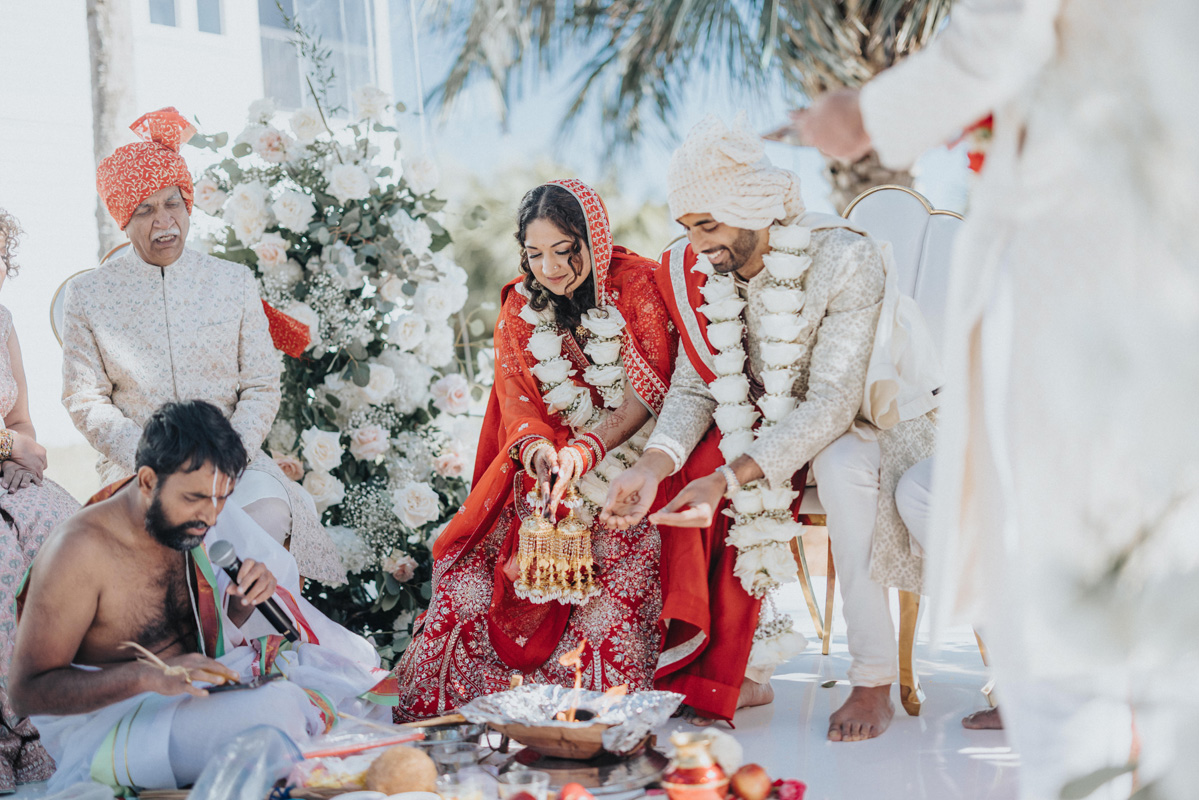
[
  {"x": 1082, "y": 787},
  {"x": 333, "y": 400},
  {"x": 362, "y": 374},
  {"x": 828, "y": 684},
  {"x": 357, "y": 351},
  {"x": 400, "y": 107},
  {"x": 241, "y": 150},
  {"x": 221, "y": 139},
  {"x": 388, "y": 601},
  {"x": 432, "y": 204},
  {"x": 323, "y": 236}
]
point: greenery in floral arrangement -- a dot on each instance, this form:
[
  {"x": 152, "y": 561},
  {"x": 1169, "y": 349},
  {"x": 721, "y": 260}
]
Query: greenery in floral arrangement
[{"x": 346, "y": 235}]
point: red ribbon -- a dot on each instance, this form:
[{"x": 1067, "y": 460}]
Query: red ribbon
[{"x": 289, "y": 334}]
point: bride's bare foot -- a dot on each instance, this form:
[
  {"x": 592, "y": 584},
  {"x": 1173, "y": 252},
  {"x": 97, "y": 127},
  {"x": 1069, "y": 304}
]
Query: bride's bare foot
[
  {"x": 986, "y": 720},
  {"x": 751, "y": 694},
  {"x": 865, "y": 715}
]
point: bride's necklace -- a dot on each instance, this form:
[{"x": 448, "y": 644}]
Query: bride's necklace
[{"x": 762, "y": 527}]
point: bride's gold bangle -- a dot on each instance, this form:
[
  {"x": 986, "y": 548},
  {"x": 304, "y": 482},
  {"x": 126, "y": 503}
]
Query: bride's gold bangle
[{"x": 5, "y": 444}]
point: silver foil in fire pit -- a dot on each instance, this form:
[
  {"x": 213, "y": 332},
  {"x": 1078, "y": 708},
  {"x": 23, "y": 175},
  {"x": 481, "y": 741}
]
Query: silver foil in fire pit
[{"x": 632, "y": 716}]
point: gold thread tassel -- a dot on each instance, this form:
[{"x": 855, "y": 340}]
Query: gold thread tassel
[{"x": 573, "y": 561}]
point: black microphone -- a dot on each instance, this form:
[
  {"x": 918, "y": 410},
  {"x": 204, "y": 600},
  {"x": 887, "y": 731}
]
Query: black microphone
[{"x": 222, "y": 554}]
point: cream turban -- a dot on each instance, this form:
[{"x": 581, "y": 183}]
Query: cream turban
[{"x": 725, "y": 172}]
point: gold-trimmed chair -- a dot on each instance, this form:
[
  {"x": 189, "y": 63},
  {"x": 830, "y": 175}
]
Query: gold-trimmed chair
[
  {"x": 58, "y": 302},
  {"x": 921, "y": 238}
]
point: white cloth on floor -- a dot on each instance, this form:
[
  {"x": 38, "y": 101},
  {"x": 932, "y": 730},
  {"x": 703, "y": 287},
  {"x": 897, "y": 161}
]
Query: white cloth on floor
[
  {"x": 847, "y": 476},
  {"x": 133, "y": 740}
]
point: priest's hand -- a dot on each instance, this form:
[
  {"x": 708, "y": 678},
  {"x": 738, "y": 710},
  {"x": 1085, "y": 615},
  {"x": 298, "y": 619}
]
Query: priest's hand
[
  {"x": 695, "y": 506},
  {"x": 199, "y": 668},
  {"x": 833, "y": 124},
  {"x": 255, "y": 585}
]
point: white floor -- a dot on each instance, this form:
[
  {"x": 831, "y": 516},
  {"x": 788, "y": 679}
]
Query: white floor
[{"x": 930, "y": 757}]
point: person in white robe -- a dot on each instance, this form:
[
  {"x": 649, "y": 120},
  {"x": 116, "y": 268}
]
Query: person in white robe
[{"x": 1065, "y": 481}]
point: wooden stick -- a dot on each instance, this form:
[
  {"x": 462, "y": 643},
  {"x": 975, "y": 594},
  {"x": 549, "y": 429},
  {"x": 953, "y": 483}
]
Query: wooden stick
[{"x": 448, "y": 719}]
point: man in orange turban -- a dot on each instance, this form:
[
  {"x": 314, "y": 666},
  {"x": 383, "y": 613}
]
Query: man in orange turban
[{"x": 163, "y": 323}]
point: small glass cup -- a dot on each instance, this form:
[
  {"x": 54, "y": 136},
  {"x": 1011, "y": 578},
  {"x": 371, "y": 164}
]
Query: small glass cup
[
  {"x": 466, "y": 785},
  {"x": 451, "y": 757},
  {"x": 528, "y": 781}
]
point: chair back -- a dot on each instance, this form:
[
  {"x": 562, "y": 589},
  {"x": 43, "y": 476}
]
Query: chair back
[
  {"x": 58, "y": 303},
  {"x": 921, "y": 239}
]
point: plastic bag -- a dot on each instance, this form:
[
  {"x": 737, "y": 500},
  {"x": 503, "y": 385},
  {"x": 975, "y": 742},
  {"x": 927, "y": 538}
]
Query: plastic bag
[{"x": 248, "y": 766}]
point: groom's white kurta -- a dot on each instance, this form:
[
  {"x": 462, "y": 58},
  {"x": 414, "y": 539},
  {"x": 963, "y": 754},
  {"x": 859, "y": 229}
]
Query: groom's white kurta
[
  {"x": 1068, "y": 433},
  {"x": 131, "y": 743}
]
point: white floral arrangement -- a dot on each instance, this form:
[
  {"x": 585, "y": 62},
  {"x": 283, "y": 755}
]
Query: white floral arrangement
[
  {"x": 572, "y": 402},
  {"x": 763, "y": 526},
  {"x": 346, "y": 236}
]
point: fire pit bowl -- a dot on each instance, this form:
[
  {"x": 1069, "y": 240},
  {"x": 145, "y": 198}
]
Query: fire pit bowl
[{"x": 615, "y": 725}]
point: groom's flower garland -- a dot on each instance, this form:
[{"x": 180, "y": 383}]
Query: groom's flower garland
[
  {"x": 762, "y": 527},
  {"x": 572, "y": 402}
]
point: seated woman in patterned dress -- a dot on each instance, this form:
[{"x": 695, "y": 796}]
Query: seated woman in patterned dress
[
  {"x": 30, "y": 507},
  {"x": 583, "y": 351}
]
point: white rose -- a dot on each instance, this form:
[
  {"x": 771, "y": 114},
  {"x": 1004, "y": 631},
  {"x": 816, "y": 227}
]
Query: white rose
[
  {"x": 305, "y": 314},
  {"x": 778, "y": 499},
  {"x": 778, "y": 381},
  {"x": 354, "y": 553},
  {"x": 703, "y": 265},
  {"x": 271, "y": 250},
  {"x": 247, "y": 226},
  {"x": 534, "y": 317},
  {"x": 421, "y": 174},
  {"x": 777, "y": 650},
  {"x": 307, "y": 124},
  {"x": 762, "y": 530},
  {"x": 413, "y": 391},
  {"x": 325, "y": 489},
  {"x": 728, "y": 309},
  {"x": 434, "y": 302},
  {"x": 272, "y": 144},
  {"x": 450, "y": 465},
  {"x": 776, "y": 406},
  {"x": 606, "y": 322},
  {"x": 287, "y": 273},
  {"x": 792, "y": 237},
  {"x": 781, "y": 300},
  {"x": 369, "y": 442},
  {"x": 553, "y": 371},
  {"x": 785, "y": 327},
  {"x": 784, "y": 267},
  {"x": 249, "y": 198},
  {"x": 730, "y": 362},
  {"x": 372, "y": 104},
  {"x": 747, "y": 501},
  {"x": 583, "y": 411},
  {"x": 730, "y": 389},
  {"x": 392, "y": 291},
  {"x": 762, "y": 567},
  {"x": 382, "y": 383},
  {"x": 718, "y": 289},
  {"x": 322, "y": 449},
  {"x": 407, "y": 330},
  {"x": 437, "y": 349},
  {"x": 781, "y": 354},
  {"x": 452, "y": 394},
  {"x": 291, "y": 467},
  {"x": 209, "y": 197},
  {"x": 593, "y": 487},
  {"x": 562, "y": 396},
  {"x": 348, "y": 182},
  {"x": 735, "y": 443},
  {"x": 416, "y": 504},
  {"x": 606, "y": 375},
  {"x": 724, "y": 335},
  {"x": 414, "y": 233},
  {"x": 261, "y": 111},
  {"x": 735, "y": 416},
  {"x": 602, "y": 352},
  {"x": 294, "y": 210},
  {"x": 545, "y": 345}
]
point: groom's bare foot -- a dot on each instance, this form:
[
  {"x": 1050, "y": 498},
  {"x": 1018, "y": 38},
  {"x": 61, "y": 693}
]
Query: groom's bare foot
[
  {"x": 986, "y": 720},
  {"x": 751, "y": 694},
  {"x": 865, "y": 715}
]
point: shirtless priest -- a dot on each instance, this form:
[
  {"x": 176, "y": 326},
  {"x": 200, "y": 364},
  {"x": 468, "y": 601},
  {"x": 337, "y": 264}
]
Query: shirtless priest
[
  {"x": 132, "y": 567},
  {"x": 779, "y": 313}
]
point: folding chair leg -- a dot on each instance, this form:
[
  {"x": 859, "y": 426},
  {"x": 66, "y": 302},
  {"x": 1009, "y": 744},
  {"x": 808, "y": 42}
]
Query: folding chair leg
[
  {"x": 829, "y": 594},
  {"x": 910, "y": 693},
  {"x": 989, "y": 689},
  {"x": 805, "y": 581}
]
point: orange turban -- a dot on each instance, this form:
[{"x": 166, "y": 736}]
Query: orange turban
[{"x": 136, "y": 171}]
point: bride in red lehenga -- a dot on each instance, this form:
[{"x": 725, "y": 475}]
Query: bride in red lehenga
[{"x": 584, "y": 350}]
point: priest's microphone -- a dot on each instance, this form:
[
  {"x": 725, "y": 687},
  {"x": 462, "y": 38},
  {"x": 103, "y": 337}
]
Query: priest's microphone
[{"x": 222, "y": 554}]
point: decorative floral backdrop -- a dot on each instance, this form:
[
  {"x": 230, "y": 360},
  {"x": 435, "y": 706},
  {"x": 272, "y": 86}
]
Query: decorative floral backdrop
[{"x": 346, "y": 235}]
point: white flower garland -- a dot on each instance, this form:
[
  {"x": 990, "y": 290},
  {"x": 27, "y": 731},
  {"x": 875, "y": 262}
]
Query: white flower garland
[
  {"x": 762, "y": 527},
  {"x": 572, "y": 402}
]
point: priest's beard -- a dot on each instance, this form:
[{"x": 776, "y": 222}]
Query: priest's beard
[
  {"x": 177, "y": 537},
  {"x": 740, "y": 251}
]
